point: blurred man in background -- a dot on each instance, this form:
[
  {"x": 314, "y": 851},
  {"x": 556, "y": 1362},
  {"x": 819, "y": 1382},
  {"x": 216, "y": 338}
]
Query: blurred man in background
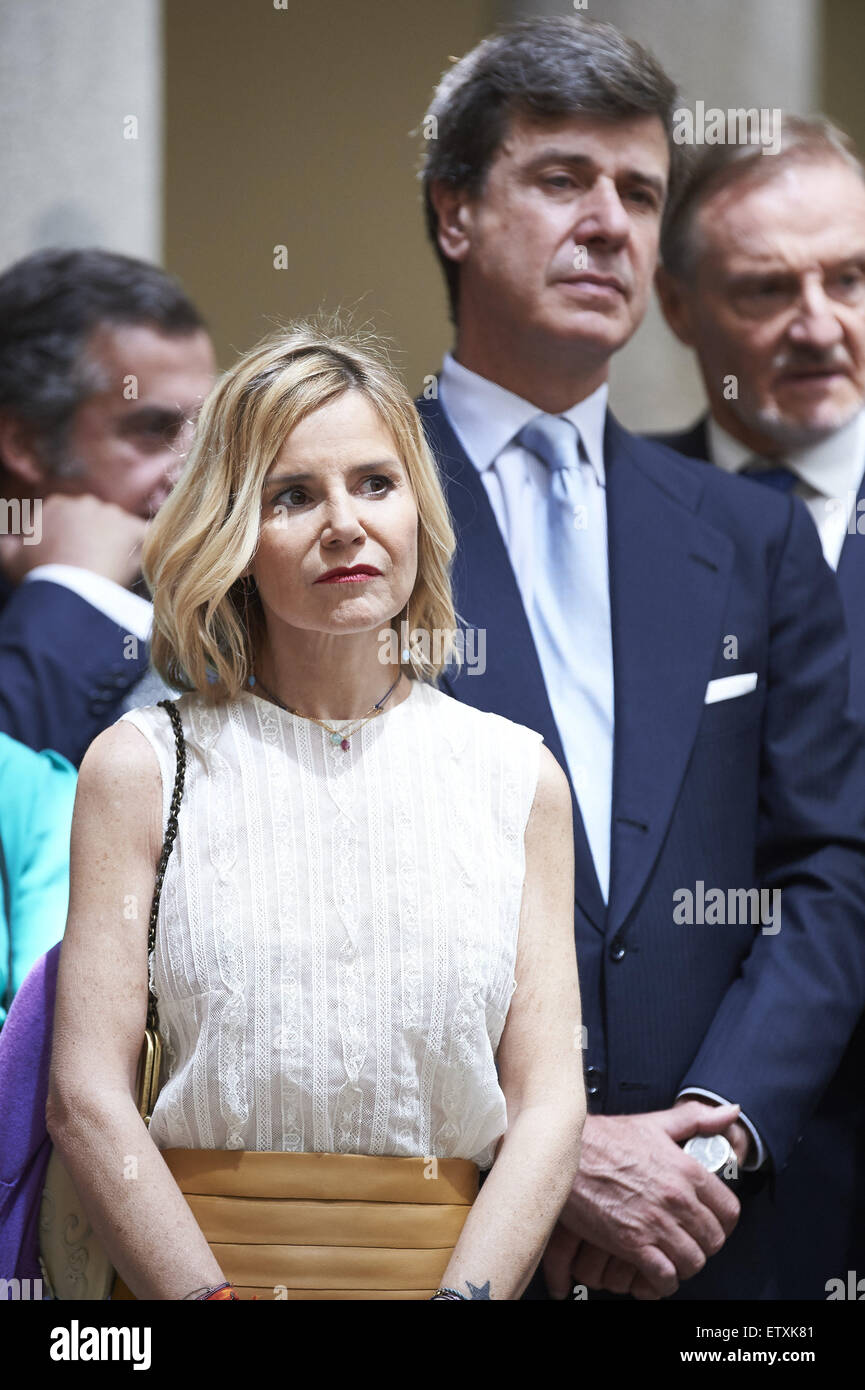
[{"x": 104, "y": 362}]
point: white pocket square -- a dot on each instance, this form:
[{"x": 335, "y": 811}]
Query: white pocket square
[{"x": 728, "y": 687}]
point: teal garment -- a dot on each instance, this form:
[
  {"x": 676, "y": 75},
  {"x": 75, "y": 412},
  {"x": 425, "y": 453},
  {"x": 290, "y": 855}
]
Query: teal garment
[{"x": 37, "y": 791}]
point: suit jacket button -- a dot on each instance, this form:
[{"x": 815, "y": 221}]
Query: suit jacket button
[
  {"x": 617, "y": 949},
  {"x": 593, "y": 1076}
]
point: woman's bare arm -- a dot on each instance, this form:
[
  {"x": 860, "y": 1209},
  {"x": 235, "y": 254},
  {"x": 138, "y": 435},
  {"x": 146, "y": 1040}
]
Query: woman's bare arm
[
  {"x": 540, "y": 1068},
  {"x": 136, "y": 1207}
]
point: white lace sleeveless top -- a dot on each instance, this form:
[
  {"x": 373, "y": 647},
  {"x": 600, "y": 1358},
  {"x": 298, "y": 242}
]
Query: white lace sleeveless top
[{"x": 337, "y": 930}]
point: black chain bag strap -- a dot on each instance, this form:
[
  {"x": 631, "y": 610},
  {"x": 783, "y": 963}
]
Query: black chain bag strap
[{"x": 150, "y": 1062}]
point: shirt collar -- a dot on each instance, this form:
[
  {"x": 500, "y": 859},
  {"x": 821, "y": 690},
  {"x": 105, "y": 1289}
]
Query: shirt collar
[
  {"x": 486, "y": 416},
  {"x": 832, "y": 467}
]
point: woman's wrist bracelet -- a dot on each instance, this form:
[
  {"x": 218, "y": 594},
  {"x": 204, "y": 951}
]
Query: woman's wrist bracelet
[
  {"x": 449, "y": 1294},
  {"x": 215, "y": 1292}
]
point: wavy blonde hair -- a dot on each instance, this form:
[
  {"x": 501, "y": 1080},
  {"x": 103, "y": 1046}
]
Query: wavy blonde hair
[{"x": 206, "y": 623}]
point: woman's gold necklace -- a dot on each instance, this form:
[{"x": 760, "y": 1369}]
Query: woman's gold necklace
[{"x": 340, "y": 736}]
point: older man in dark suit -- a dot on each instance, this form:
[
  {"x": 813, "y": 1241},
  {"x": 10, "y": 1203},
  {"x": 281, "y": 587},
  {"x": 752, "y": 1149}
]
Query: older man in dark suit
[
  {"x": 764, "y": 276},
  {"x": 647, "y": 618}
]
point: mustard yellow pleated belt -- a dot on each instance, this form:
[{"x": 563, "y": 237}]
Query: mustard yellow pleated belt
[{"x": 325, "y": 1226}]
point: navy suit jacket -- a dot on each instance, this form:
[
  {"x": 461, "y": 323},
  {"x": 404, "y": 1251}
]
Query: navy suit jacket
[
  {"x": 63, "y": 668},
  {"x": 820, "y": 1197},
  {"x": 763, "y": 790}
]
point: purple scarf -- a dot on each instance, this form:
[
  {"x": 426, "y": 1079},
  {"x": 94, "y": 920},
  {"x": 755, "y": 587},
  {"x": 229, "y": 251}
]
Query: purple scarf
[{"x": 25, "y": 1146}]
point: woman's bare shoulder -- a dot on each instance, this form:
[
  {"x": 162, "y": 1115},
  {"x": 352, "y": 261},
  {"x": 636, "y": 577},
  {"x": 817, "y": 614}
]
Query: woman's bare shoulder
[
  {"x": 118, "y": 753},
  {"x": 120, "y": 779},
  {"x": 553, "y": 791}
]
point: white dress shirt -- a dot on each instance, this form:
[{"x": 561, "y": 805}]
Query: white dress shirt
[
  {"x": 486, "y": 418},
  {"x": 829, "y": 476}
]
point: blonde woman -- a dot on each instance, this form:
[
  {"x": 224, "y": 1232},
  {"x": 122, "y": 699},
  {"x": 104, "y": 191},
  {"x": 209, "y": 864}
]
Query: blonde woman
[{"x": 364, "y": 959}]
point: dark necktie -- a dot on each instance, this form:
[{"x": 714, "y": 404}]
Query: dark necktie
[{"x": 778, "y": 478}]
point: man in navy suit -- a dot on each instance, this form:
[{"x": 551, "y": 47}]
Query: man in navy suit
[
  {"x": 770, "y": 292},
  {"x": 648, "y": 619},
  {"x": 104, "y": 362}
]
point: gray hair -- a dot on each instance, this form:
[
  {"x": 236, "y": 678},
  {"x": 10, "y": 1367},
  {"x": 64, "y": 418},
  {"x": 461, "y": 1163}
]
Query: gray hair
[{"x": 801, "y": 138}]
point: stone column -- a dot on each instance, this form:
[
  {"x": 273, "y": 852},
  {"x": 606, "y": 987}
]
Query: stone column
[{"x": 81, "y": 116}]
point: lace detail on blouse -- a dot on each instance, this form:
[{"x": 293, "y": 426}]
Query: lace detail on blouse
[{"x": 337, "y": 931}]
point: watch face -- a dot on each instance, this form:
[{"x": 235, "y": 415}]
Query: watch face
[{"x": 712, "y": 1150}]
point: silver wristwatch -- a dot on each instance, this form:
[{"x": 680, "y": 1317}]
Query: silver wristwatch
[{"x": 716, "y": 1154}]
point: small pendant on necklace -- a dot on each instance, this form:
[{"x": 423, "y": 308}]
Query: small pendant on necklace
[
  {"x": 345, "y": 745},
  {"x": 343, "y": 742}
]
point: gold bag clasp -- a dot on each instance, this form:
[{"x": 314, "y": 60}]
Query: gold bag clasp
[{"x": 149, "y": 1065}]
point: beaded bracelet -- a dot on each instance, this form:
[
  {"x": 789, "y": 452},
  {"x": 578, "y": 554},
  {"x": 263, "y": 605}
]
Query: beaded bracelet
[
  {"x": 446, "y": 1293},
  {"x": 218, "y": 1291}
]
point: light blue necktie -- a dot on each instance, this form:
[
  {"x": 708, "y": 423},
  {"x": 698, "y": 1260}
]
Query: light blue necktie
[{"x": 570, "y": 621}]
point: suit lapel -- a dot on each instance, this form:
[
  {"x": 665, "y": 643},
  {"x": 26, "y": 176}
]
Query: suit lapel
[
  {"x": 669, "y": 577},
  {"x": 851, "y": 581},
  {"x": 486, "y": 596},
  {"x": 694, "y": 443}
]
